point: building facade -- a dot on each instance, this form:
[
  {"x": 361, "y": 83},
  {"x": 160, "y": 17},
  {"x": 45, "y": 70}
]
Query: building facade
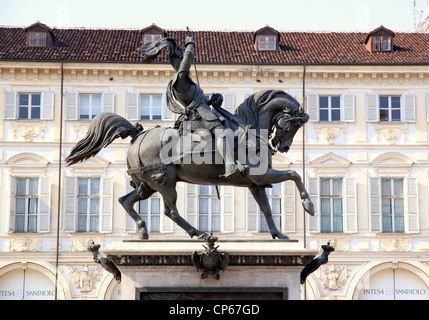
[{"x": 363, "y": 155}]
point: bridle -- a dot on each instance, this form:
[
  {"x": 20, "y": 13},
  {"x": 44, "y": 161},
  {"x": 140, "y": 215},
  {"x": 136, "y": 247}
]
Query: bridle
[{"x": 283, "y": 124}]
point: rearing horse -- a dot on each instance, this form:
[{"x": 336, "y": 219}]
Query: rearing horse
[{"x": 273, "y": 110}]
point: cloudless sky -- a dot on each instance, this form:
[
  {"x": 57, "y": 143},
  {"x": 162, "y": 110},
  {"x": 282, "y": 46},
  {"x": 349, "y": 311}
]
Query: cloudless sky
[{"x": 283, "y": 15}]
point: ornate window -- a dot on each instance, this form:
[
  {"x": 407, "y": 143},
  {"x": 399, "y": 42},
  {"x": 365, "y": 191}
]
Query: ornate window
[
  {"x": 29, "y": 105},
  {"x": 85, "y": 106},
  {"x": 30, "y": 194},
  {"x": 391, "y": 108},
  {"x": 148, "y": 107},
  {"x": 393, "y": 195},
  {"x": 333, "y": 193},
  {"x": 331, "y": 108}
]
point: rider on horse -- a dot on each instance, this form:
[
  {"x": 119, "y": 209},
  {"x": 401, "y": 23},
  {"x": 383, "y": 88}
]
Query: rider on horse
[{"x": 186, "y": 97}]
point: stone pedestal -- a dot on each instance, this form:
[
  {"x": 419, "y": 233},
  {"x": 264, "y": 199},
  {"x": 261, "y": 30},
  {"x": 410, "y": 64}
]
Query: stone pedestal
[{"x": 163, "y": 269}]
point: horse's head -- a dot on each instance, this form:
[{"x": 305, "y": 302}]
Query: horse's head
[{"x": 286, "y": 126}]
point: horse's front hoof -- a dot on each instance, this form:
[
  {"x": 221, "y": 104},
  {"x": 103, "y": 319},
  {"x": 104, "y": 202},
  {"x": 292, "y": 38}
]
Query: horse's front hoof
[
  {"x": 280, "y": 236},
  {"x": 308, "y": 206},
  {"x": 143, "y": 234}
]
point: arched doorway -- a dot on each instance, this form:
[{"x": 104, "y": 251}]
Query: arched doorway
[{"x": 398, "y": 281}]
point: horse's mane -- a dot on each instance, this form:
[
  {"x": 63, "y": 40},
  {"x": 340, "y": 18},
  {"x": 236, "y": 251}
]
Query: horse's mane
[{"x": 248, "y": 111}]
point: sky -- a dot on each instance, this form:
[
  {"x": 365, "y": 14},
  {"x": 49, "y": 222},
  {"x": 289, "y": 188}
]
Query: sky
[{"x": 242, "y": 15}]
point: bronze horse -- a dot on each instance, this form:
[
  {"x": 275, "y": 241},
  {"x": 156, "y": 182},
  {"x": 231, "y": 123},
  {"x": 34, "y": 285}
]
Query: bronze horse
[{"x": 274, "y": 111}]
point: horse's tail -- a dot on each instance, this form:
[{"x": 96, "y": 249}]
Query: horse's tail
[{"x": 104, "y": 128}]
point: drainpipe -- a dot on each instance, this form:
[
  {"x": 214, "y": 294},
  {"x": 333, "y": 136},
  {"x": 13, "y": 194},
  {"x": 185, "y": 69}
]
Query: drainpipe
[{"x": 59, "y": 182}]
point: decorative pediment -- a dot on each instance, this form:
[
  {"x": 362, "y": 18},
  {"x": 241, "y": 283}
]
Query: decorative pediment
[
  {"x": 331, "y": 164},
  {"x": 280, "y": 161},
  {"x": 392, "y": 163},
  {"x": 93, "y": 166},
  {"x": 27, "y": 163}
]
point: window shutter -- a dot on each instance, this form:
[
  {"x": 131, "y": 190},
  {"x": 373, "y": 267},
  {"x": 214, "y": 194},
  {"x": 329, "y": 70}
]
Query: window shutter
[
  {"x": 129, "y": 224},
  {"x": 44, "y": 205},
  {"x": 372, "y": 113},
  {"x": 191, "y": 204},
  {"x": 71, "y": 105},
  {"x": 411, "y": 206},
  {"x": 10, "y": 105},
  {"x": 313, "y": 191},
  {"x": 228, "y": 102},
  {"x": 108, "y": 102},
  {"x": 12, "y": 204},
  {"x": 375, "y": 204},
  {"x": 252, "y": 213},
  {"x": 227, "y": 203},
  {"x": 132, "y": 108},
  {"x": 70, "y": 204},
  {"x": 408, "y": 108},
  {"x": 349, "y": 214},
  {"x": 288, "y": 206},
  {"x": 47, "y": 112},
  {"x": 313, "y": 106},
  {"x": 348, "y": 107},
  {"x": 168, "y": 115},
  {"x": 107, "y": 205}
]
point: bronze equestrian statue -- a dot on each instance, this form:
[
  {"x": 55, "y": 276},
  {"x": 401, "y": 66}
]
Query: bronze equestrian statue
[{"x": 266, "y": 122}]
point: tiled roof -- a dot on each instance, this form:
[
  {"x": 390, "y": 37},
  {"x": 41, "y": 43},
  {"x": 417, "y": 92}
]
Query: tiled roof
[{"x": 218, "y": 47}]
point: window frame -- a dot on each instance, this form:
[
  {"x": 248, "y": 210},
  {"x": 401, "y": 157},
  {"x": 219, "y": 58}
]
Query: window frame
[
  {"x": 211, "y": 216},
  {"x": 29, "y": 106},
  {"x": 151, "y": 37},
  {"x": 150, "y": 107},
  {"x": 381, "y": 43},
  {"x": 150, "y": 215},
  {"x": 390, "y": 109},
  {"x": 277, "y": 216},
  {"x": 27, "y": 196},
  {"x": 89, "y": 197},
  {"x": 90, "y": 106},
  {"x": 331, "y": 197},
  {"x": 393, "y": 215},
  {"x": 267, "y": 42},
  {"x": 37, "y": 39},
  {"x": 330, "y": 109}
]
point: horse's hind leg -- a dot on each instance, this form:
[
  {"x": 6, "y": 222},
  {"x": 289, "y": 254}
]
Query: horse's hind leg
[
  {"x": 169, "y": 196},
  {"x": 128, "y": 201}
]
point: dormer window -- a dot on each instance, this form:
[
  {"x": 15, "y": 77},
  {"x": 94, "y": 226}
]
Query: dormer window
[
  {"x": 152, "y": 33},
  {"x": 37, "y": 39},
  {"x": 148, "y": 38},
  {"x": 266, "y": 39},
  {"x": 380, "y": 40},
  {"x": 267, "y": 43},
  {"x": 39, "y": 35}
]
